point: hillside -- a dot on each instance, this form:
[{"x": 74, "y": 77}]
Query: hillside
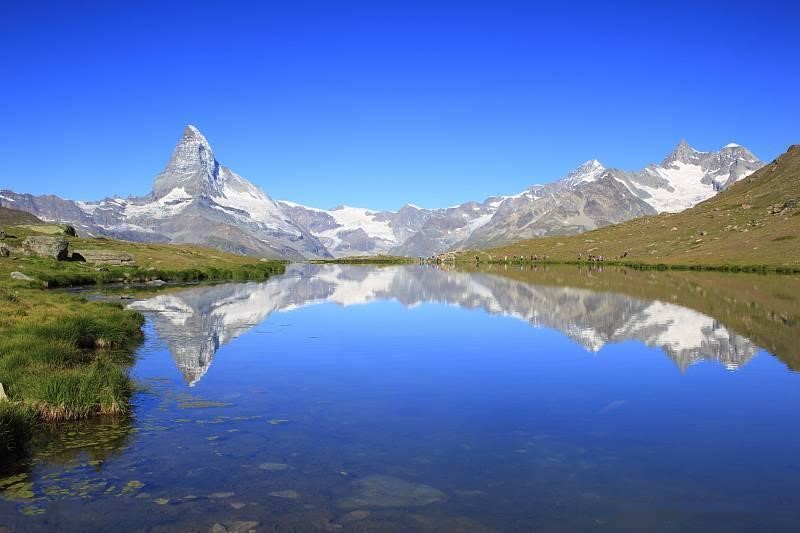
[
  {"x": 143, "y": 261},
  {"x": 756, "y": 221},
  {"x": 13, "y": 216}
]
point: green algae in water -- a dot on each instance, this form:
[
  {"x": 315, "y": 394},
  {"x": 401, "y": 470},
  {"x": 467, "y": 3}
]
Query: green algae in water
[
  {"x": 19, "y": 491},
  {"x": 11, "y": 480},
  {"x": 132, "y": 486}
]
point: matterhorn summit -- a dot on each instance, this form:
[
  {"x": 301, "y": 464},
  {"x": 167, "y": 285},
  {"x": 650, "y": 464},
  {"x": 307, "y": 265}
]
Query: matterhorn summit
[{"x": 192, "y": 167}]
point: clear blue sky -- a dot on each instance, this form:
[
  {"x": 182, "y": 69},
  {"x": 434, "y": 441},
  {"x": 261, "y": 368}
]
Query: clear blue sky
[{"x": 381, "y": 103}]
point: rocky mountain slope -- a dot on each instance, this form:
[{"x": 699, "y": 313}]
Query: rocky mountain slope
[
  {"x": 14, "y": 216},
  {"x": 755, "y": 221},
  {"x": 197, "y": 200},
  {"x": 589, "y": 197},
  {"x": 194, "y": 200}
]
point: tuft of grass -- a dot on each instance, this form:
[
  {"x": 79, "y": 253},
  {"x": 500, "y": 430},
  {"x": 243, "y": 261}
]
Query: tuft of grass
[{"x": 16, "y": 421}]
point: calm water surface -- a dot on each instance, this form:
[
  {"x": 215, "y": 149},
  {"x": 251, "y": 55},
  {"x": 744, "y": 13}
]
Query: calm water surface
[{"x": 338, "y": 398}]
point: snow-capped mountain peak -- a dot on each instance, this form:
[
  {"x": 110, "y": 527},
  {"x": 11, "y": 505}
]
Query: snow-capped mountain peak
[
  {"x": 192, "y": 167},
  {"x": 588, "y": 171},
  {"x": 682, "y": 153}
]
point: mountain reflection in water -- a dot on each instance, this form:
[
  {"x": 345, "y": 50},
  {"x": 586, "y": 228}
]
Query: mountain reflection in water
[{"x": 196, "y": 322}]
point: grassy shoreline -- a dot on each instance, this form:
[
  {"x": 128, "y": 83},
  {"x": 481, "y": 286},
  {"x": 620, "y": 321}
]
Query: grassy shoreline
[
  {"x": 63, "y": 357},
  {"x": 462, "y": 259},
  {"x": 640, "y": 265}
]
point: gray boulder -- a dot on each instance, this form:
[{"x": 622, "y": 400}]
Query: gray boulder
[
  {"x": 19, "y": 276},
  {"x": 5, "y": 251},
  {"x": 46, "y": 246},
  {"x": 103, "y": 257}
]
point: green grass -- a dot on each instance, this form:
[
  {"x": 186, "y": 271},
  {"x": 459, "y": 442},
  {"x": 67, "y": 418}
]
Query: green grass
[{"x": 16, "y": 421}]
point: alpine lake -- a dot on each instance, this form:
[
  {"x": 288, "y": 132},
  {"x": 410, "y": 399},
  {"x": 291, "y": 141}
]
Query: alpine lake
[{"x": 429, "y": 398}]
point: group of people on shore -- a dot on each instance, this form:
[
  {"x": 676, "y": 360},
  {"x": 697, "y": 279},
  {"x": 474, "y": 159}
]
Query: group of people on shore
[{"x": 592, "y": 258}]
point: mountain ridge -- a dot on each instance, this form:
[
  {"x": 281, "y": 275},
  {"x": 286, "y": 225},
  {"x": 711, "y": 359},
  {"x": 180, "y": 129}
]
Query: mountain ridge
[
  {"x": 197, "y": 200},
  {"x": 755, "y": 221}
]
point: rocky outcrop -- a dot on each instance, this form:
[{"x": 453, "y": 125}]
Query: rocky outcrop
[
  {"x": 5, "y": 251},
  {"x": 45, "y": 246},
  {"x": 103, "y": 257}
]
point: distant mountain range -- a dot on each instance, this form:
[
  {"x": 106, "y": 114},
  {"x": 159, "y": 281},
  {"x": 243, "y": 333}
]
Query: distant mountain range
[{"x": 197, "y": 200}]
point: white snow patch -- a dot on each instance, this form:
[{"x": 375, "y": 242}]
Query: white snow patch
[{"x": 688, "y": 189}]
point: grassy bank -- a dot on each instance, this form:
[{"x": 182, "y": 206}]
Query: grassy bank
[
  {"x": 65, "y": 358},
  {"x": 485, "y": 258}
]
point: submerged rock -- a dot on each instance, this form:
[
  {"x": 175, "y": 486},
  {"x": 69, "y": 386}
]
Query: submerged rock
[
  {"x": 288, "y": 494},
  {"x": 353, "y": 516},
  {"x": 221, "y": 495},
  {"x": 234, "y": 527},
  {"x": 273, "y": 466},
  {"x": 387, "y": 491}
]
